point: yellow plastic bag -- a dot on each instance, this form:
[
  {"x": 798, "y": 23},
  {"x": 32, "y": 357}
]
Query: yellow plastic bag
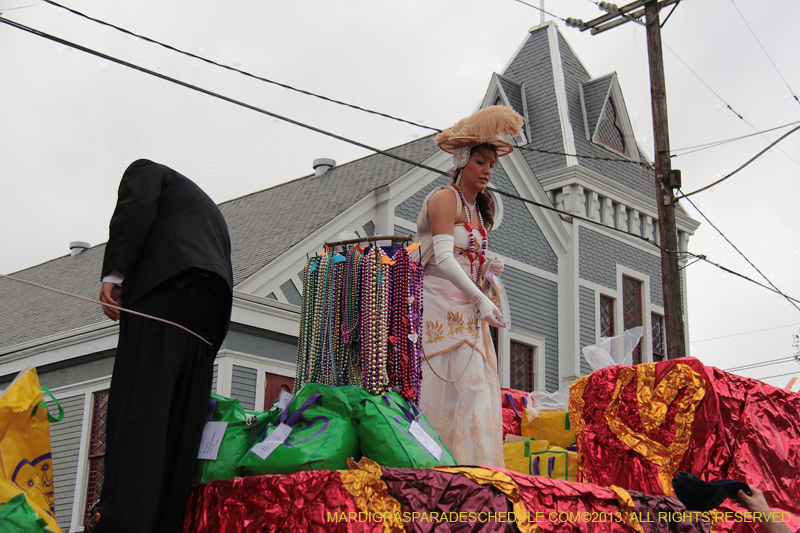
[
  {"x": 25, "y": 453},
  {"x": 538, "y": 458},
  {"x": 552, "y": 426}
]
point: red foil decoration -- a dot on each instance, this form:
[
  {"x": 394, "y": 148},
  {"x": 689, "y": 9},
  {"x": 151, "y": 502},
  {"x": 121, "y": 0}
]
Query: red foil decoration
[
  {"x": 743, "y": 429},
  {"x": 305, "y": 501}
]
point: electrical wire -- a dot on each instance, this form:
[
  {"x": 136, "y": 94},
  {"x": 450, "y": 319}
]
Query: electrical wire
[
  {"x": 234, "y": 69},
  {"x": 759, "y": 154},
  {"x": 742, "y": 254},
  {"x": 770, "y": 362},
  {"x": 745, "y": 333},
  {"x": 568, "y": 216},
  {"x": 729, "y": 271},
  {"x": 213, "y": 94},
  {"x": 714, "y": 144},
  {"x": 779, "y": 375},
  {"x": 765, "y": 51},
  {"x": 628, "y": 161},
  {"x": 722, "y": 99},
  {"x": 542, "y": 10},
  {"x": 302, "y": 91},
  {"x": 309, "y": 127}
]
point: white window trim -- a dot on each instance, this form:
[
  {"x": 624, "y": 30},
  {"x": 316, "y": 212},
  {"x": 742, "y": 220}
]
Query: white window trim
[
  {"x": 87, "y": 389},
  {"x": 538, "y": 344}
]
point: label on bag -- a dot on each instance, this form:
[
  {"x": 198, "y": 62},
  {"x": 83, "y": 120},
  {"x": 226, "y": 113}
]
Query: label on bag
[
  {"x": 427, "y": 442},
  {"x": 284, "y": 399},
  {"x": 273, "y": 440},
  {"x": 212, "y": 438}
]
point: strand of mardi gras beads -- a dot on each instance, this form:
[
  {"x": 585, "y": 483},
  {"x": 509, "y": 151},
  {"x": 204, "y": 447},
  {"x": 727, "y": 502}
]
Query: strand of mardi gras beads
[
  {"x": 416, "y": 318},
  {"x": 316, "y": 356},
  {"x": 312, "y": 305},
  {"x": 366, "y": 331},
  {"x": 383, "y": 321},
  {"x": 339, "y": 353},
  {"x": 299, "y": 376}
]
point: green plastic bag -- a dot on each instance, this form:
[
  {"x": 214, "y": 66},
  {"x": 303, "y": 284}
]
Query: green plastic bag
[
  {"x": 322, "y": 434},
  {"x": 385, "y": 431},
  {"x": 17, "y": 516},
  {"x": 243, "y": 430}
]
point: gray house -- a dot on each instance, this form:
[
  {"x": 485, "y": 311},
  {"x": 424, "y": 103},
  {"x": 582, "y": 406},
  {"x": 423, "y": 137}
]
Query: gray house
[{"x": 569, "y": 281}]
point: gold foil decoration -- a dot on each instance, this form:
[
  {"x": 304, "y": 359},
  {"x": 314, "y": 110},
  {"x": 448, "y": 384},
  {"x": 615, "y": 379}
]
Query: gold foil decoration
[
  {"x": 628, "y": 508},
  {"x": 363, "y": 481}
]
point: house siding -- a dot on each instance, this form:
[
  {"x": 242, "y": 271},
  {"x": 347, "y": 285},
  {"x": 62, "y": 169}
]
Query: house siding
[
  {"x": 599, "y": 255},
  {"x": 65, "y": 441},
  {"x": 518, "y": 236},
  {"x": 587, "y": 325},
  {"x": 534, "y": 310},
  {"x": 243, "y": 386}
]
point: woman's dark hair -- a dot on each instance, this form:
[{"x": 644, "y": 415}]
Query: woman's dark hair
[{"x": 485, "y": 202}]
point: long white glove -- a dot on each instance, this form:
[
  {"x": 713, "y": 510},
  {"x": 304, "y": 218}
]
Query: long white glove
[{"x": 443, "y": 248}]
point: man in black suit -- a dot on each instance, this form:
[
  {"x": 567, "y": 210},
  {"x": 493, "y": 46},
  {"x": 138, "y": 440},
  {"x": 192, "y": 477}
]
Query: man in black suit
[{"x": 168, "y": 255}]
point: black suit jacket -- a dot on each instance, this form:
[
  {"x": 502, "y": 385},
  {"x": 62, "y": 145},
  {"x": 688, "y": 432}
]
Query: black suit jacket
[{"x": 164, "y": 224}]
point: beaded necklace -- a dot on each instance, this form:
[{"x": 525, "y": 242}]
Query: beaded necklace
[{"x": 473, "y": 254}]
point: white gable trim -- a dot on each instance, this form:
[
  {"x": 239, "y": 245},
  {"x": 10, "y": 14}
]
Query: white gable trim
[
  {"x": 615, "y": 94},
  {"x": 496, "y": 90},
  {"x": 519, "y": 172},
  {"x": 561, "y": 96}
]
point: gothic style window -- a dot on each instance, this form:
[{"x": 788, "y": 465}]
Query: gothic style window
[
  {"x": 606, "y": 316},
  {"x": 659, "y": 347},
  {"x": 97, "y": 448},
  {"x": 523, "y": 376},
  {"x": 632, "y": 310},
  {"x": 608, "y": 132}
]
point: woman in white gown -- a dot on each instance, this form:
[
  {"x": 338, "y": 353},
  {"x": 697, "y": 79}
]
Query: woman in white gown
[{"x": 460, "y": 386}]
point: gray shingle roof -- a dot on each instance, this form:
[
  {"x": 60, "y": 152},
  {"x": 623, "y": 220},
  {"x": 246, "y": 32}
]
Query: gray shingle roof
[
  {"x": 513, "y": 92},
  {"x": 594, "y": 97},
  {"x": 262, "y": 225}
]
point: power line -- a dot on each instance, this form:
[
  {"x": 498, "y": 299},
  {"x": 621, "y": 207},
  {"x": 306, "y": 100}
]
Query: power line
[
  {"x": 302, "y": 91},
  {"x": 779, "y": 375},
  {"x": 765, "y": 51},
  {"x": 540, "y": 9},
  {"x": 356, "y": 143},
  {"x": 745, "y": 333},
  {"x": 759, "y": 154},
  {"x": 234, "y": 69},
  {"x": 742, "y": 254},
  {"x": 298, "y": 123},
  {"x": 751, "y": 280},
  {"x": 771, "y": 362},
  {"x": 714, "y": 144},
  {"x": 722, "y": 99}
]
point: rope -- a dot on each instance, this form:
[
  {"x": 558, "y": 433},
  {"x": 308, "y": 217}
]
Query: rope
[{"x": 187, "y": 330}]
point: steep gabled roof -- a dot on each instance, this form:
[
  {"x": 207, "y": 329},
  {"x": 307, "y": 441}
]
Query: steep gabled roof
[
  {"x": 513, "y": 92},
  {"x": 263, "y": 225},
  {"x": 595, "y": 93},
  {"x": 549, "y": 70}
]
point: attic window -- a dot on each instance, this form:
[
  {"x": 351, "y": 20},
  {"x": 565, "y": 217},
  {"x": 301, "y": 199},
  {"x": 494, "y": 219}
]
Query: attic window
[
  {"x": 499, "y": 101},
  {"x": 608, "y": 132}
]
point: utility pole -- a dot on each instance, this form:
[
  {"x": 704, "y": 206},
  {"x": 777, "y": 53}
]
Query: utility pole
[{"x": 665, "y": 178}]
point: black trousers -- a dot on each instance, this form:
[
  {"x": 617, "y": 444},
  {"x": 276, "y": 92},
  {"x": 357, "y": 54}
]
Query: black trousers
[{"x": 158, "y": 403}]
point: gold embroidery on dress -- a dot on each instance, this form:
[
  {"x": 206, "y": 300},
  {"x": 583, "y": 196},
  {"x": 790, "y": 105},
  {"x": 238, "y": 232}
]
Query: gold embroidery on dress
[
  {"x": 453, "y": 347},
  {"x": 456, "y": 322},
  {"x": 472, "y": 325},
  {"x": 477, "y": 438},
  {"x": 434, "y": 331},
  {"x": 460, "y": 437}
]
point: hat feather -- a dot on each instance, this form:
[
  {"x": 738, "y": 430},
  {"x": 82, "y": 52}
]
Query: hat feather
[{"x": 483, "y": 126}]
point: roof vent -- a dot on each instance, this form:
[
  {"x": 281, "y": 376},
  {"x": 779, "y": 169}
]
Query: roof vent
[
  {"x": 77, "y": 247},
  {"x": 322, "y": 165}
]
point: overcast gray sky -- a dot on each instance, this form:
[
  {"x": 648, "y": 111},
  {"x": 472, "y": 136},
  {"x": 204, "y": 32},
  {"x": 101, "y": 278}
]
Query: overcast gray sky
[{"x": 72, "y": 122}]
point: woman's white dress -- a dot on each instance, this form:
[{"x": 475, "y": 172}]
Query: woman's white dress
[{"x": 463, "y": 401}]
